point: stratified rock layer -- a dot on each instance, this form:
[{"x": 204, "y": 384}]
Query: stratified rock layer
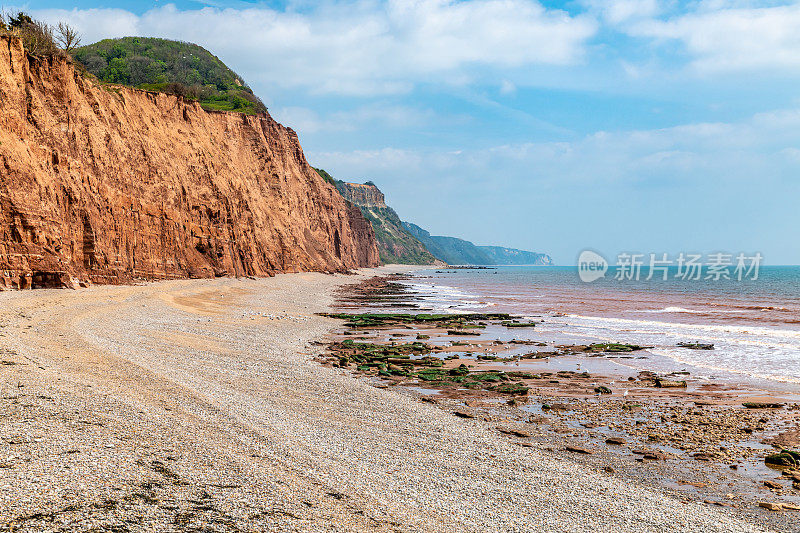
[
  {"x": 395, "y": 243},
  {"x": 109, "y": 184}
]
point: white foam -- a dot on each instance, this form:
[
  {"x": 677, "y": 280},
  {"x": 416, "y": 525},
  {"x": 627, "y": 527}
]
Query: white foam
[
  {"x": 670, "y": 310},
  {"x": 763, "y": 352},
  {"x": 447, "y": 299},
  {"x": 766, "y": 352}
]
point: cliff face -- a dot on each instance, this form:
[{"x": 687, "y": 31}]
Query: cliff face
[
  {"x": 456, "y": 251},
  {"x": 108, "y": 184},
  {"x": 500, "y": 255},
  {"x": 363, "y": 194},
  {"x": 395, "y": 243}
]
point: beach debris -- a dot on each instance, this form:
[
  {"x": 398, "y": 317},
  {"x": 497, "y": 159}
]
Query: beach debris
[{"x": 695, "y": 345}]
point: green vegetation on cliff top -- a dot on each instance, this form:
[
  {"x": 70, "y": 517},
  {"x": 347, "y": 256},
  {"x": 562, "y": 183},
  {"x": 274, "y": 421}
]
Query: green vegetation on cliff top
[{"x": 169, "y": 66}]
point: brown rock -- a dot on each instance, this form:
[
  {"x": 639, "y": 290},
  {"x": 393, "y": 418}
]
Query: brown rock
[
  {"x": 792, "y": 474},
  {"x": 772, "y": 506},
  {"x": 771, "y": 484},
  {"x": 463, "y": 414},
  {"x": 618, "y": 441},
  {"x": 578, "y": 449},
  {"x": 110, "y": 186},
  {"x": 515, "y": 432},
  {"x": 652, "y": 455}
]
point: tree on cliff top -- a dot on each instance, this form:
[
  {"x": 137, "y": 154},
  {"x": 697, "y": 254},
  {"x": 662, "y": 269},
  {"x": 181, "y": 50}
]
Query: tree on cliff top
[
  {"x": 170, "y": 66},
  {"x": 67, "y": 36},
  {"x": 39, "y": 38}
]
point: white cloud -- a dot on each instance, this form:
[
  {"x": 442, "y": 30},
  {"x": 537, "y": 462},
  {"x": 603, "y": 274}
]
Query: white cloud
[
  {"x": 386, "y": 117},
  {"x": 507, "y": 87},
  {"x": 763, "y": 147},
  {"x": 622, "y": 11},
  {"x": 732, "y": 39},
  {"x": 360, "y": 47}
]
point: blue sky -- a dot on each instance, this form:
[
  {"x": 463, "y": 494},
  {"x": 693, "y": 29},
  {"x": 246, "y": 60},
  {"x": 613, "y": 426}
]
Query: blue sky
[{"x": 618, "y": 125}]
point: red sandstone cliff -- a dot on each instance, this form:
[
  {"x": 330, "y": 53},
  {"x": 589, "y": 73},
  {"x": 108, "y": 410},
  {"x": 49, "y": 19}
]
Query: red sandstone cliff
[{"x": 110, "y": 184}]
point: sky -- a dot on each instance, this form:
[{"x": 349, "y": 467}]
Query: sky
[{"x": 650, "y": 126}]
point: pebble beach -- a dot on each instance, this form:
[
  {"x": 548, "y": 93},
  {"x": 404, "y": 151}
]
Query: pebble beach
[{"x": 197, "y": 405}]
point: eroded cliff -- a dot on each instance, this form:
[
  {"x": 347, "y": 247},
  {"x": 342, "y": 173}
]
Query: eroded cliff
[
  {"x": 363, "y": 194},
  {"x": 395, "y": 243},
  {"x": 109, "y": 184}
]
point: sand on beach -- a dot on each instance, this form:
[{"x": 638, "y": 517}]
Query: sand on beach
[{"x": 196, "y": 404}]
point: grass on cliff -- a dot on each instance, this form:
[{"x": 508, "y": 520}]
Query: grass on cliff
[
  {"x": 173, "y": 67},
  {"x": 324, "y": 175}
]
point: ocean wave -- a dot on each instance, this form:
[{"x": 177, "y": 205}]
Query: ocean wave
[
  {"x": 447, "y": 299},
  {"x": 711, "y": 328},
  {"x": 725, "y": 366},
  {"x": 671, "y": 310}
]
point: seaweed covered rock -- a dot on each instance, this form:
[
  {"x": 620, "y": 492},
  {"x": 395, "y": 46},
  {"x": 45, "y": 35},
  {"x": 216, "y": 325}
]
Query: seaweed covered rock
[{"x": 785, "y": 458}]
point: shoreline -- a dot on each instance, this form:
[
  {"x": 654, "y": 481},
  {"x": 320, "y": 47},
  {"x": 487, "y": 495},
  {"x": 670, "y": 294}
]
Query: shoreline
[
  {"x": 625, "y": 423},
  {"x": 198, "y": 403}
]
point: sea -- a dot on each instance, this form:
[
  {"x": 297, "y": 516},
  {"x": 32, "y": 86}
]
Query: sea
[{"x": 754, "y": 324}]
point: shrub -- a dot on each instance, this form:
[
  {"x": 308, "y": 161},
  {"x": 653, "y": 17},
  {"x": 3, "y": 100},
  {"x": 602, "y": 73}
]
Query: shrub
[{"x": 37, "y": 36}]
